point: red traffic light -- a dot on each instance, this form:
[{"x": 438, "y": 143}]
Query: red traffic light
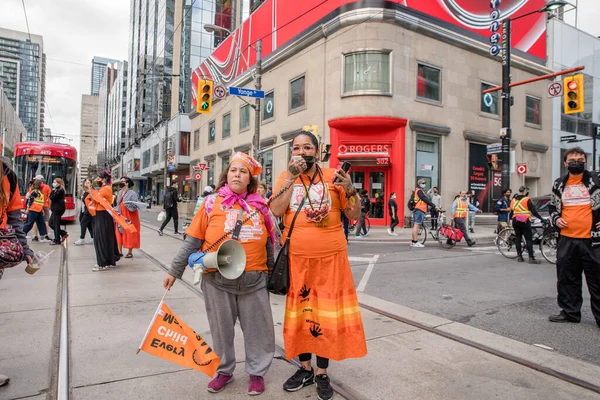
[{"x": 572, "y": 85}]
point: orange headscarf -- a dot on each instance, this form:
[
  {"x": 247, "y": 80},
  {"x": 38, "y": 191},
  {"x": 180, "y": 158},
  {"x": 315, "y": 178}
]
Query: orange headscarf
[{"x": 253, "y": 166}]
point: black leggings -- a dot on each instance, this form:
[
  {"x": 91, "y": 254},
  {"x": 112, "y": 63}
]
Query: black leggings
[
  {"x": 86, "y": 222},
  {"x": 171, "y": 213},
  {"x": 322, "y": 363},
  {"x": 393, "y": 224},
  {"x": 523, "y": 229},
  {"x": 55, "y": 225}
]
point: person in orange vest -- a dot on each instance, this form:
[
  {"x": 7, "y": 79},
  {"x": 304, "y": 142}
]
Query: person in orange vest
[
  {"x": 460, "y": 208},
  {"x": 421, "y": 203},
  {"x": 521, "y": 208},
  {"x": 35, "y": 209}
]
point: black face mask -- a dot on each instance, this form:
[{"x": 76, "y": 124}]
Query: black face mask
[
  {"x": 310, "y": 161},
  {"x": 121, "y": 185},
  {"x": 576, "y": 167}
]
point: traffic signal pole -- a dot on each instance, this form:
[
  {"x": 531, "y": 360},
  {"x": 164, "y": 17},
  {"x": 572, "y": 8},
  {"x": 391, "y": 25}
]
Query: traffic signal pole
[
  {"x": 258, "y": 84},
  {"x": 506, "y": 103}
]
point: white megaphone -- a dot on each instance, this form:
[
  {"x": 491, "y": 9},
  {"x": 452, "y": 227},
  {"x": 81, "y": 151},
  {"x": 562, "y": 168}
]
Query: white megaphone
[{"x": 229, "y": 260}]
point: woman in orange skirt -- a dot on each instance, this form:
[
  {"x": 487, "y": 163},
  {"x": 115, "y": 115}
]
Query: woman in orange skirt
[
  {"x": 322, "y": 314},
  {"x": 129, "y": 210}
]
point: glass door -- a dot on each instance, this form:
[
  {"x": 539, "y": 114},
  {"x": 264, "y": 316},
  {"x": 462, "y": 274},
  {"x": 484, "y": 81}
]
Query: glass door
[{"x": 377, "y": 194}]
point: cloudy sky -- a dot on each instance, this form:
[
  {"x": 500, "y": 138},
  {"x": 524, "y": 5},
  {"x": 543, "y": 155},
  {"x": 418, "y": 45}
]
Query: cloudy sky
[{"x": 74, "y": 31}]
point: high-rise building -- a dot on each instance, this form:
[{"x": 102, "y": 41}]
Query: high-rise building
[
  {"x": 88, "y": 135},
  {"x": 23, "y": 74},
  {"x": 12, "y": 130},
  {"x": 98, "y": 68}
]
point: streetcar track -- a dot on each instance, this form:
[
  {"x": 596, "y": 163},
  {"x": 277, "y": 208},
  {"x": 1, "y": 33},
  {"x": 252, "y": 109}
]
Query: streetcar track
[{"x": 341, "y": 389}]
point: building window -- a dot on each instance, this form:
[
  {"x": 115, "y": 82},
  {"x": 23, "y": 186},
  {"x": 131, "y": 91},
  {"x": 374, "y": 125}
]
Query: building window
[
  {"x": 211, "y": 173},
  {"x": 155, "y": 154},
  {"x": 184, "y": 144},
  {"x": 486, "y": 106},
  {"x": 224, "y": 163},
  {"x": 428, "y": 160},
  {"x": 297, "y": 99},
  {"x": 211, "y": 131},
  {"x": 146, "y": 159},
  {"x": 267, "y": 172},
  {"x": 429, "y": 83},
  {"x": 197, "y": 139},
  {"x": 268, "y": 106},
  {"x": 244, "y": 117},
  {"x": 532, "y": 112},
  {"x": 367, "y": 71},
  {"x": 226, "y": 125}
]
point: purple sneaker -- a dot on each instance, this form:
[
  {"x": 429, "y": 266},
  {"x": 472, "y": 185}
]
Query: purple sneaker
[
  {"x": 218, "y": 384},
  {"x": 256, "y": 385}
]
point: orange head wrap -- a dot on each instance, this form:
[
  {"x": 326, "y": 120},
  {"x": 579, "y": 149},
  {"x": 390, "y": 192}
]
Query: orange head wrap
[{"x": 253, "y": 166}]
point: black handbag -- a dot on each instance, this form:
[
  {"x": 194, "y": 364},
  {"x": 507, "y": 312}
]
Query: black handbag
[{"x": 279, "y": 281}]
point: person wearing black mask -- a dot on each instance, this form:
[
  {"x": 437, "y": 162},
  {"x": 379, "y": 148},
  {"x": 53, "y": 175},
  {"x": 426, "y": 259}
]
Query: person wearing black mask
[
  {"x": 522, "y": 208},
  {"x": 575, "y": 209}
]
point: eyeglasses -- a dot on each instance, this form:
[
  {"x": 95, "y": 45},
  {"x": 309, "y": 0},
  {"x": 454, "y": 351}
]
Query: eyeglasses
[{"x": 306, "y": 148}]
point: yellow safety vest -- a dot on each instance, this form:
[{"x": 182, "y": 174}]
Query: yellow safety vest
[
  {"x": 462, "y": 208},
  {"x": 520, "y": 207},
  {"x": 38, "y": 202}
]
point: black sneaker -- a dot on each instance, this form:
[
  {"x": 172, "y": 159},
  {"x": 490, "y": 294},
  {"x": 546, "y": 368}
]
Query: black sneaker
[
  {"x": 35, "y": 239},
  {"x": 324, "y": 389},
  {"x": 160, "y": 232},
  {"x": 520, "y": 259},
  {"x": 301, "y": 378}
]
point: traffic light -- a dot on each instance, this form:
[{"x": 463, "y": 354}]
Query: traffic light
[
  {"x": 573, "y": 87},
  {"x": 325, "y": 152},
  {"x": 205, "y": 96}
]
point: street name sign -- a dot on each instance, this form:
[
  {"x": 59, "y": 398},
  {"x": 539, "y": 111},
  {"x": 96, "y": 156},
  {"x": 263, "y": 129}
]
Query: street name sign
[
  {"x": 237, "y": 91},
  {"x": 494, "y": 148},
  {"x": 567, "y": 138}
]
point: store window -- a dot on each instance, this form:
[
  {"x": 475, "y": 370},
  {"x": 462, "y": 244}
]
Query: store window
[
  {"x": 532, "y": 112},
  {"x": 428, "y": 160},
  {"x": 487, "y": 106},
  {"x": 268, "y": 106},
  {"x": 197, "y": 139},
  {"x": 211, "y": 173},
  {"x": 376, "y": 191},
  {"x": 184, "y": 144},
  {"x": 226, "y": 125},
  {"x": 224, "y": 163},
  {"x": 267, "y": 173},
  {"x": 211, "y": 131},
  {"x": 429, "y": 83},
  {"x": 358, "y": 178},
  {"x": 367, "y": 71},
  {"x": 297, "y": 99},
  {"x": 244, "y": 117}
]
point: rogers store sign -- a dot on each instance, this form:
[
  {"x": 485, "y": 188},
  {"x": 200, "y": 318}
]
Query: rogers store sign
[{"x": 363, "y": 148}]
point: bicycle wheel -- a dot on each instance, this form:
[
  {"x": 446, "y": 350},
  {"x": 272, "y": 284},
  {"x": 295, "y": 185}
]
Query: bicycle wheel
[
  {"x": 367, "y": 224},
  {"x": 506, "y": 243},
  {"x": 548, "y": 246},
  {"x": 444, "y": 241},
  {"x": 422, "y": 235}
]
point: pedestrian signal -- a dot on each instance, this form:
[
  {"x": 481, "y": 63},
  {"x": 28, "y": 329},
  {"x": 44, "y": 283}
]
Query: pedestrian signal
[
  {"x": 205, "y": 96},
  {"x": 573, "y": 88}
]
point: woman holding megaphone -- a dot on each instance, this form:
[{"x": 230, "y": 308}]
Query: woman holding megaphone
[{"x": 235, "y": 211}]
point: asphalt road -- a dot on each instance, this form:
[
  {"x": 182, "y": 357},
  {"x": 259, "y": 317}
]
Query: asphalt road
[{"x": 476, "y": 286}]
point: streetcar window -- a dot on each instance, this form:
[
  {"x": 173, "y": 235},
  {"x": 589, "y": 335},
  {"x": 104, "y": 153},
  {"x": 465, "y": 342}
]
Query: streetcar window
[{"x": 27, "y": 167}]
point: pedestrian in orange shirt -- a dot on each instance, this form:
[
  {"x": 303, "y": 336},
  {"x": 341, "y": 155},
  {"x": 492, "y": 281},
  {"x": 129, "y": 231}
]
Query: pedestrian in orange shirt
[
  {"x": 35, "y": 209},
  {"x": 575, "y": 209},
  {"x": 322, "y": 314},
  {"x": 46, "y": 192},
  {"x": 245, "y": 298},
  {"x": 125, "y": 203}
]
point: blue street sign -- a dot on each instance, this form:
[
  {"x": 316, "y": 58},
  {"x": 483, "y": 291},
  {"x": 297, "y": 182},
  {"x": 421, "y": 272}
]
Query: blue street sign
[{"x": 237, "y": 91}]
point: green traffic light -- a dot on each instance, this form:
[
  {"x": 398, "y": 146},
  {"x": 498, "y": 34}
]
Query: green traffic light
[{"x": 205, "y": 106}]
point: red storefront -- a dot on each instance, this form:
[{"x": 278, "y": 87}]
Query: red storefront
[{"x": 375, "y": 146}]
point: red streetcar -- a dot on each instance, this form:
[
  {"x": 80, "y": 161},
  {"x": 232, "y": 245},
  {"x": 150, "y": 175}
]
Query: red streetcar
[{"x": 51, "y": 160}]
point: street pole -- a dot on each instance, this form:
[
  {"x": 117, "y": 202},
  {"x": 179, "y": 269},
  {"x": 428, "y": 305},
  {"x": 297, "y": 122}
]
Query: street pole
[
  {"x": 165, "y": 172},
  {"x": 258, "y": 84},
  {"x": 506, "y": 100}
]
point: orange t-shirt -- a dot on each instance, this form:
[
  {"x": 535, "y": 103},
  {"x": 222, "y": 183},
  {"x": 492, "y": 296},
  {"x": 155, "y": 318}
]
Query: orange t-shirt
[
  {"x": 308, "y": 239},
  {"x": 253, "y": 236},
  {"x": 14, "y": 203},
  {"x": 46, "y": 192},
  {"x": 576, "y": 209},
  {"x": 106, "y": 193}
]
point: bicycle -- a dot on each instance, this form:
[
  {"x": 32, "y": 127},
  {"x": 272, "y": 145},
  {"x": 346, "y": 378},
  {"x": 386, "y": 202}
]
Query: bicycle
[
  {"x": 354, "y": 223},
  {"x": 424, "y": 230},
  {"x": 548, "y": 239}
]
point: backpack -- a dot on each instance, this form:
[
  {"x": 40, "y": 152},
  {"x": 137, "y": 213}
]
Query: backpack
[
  {"x": 169, "y": 199},
  {"x": 411, "y": 201}
]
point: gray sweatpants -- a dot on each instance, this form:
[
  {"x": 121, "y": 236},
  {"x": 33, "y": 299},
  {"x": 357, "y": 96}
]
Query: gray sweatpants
[{"x": 245, "y": 298}]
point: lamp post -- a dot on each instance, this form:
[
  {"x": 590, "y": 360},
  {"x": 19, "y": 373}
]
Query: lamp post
[{"x": 506, "y": 97}]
